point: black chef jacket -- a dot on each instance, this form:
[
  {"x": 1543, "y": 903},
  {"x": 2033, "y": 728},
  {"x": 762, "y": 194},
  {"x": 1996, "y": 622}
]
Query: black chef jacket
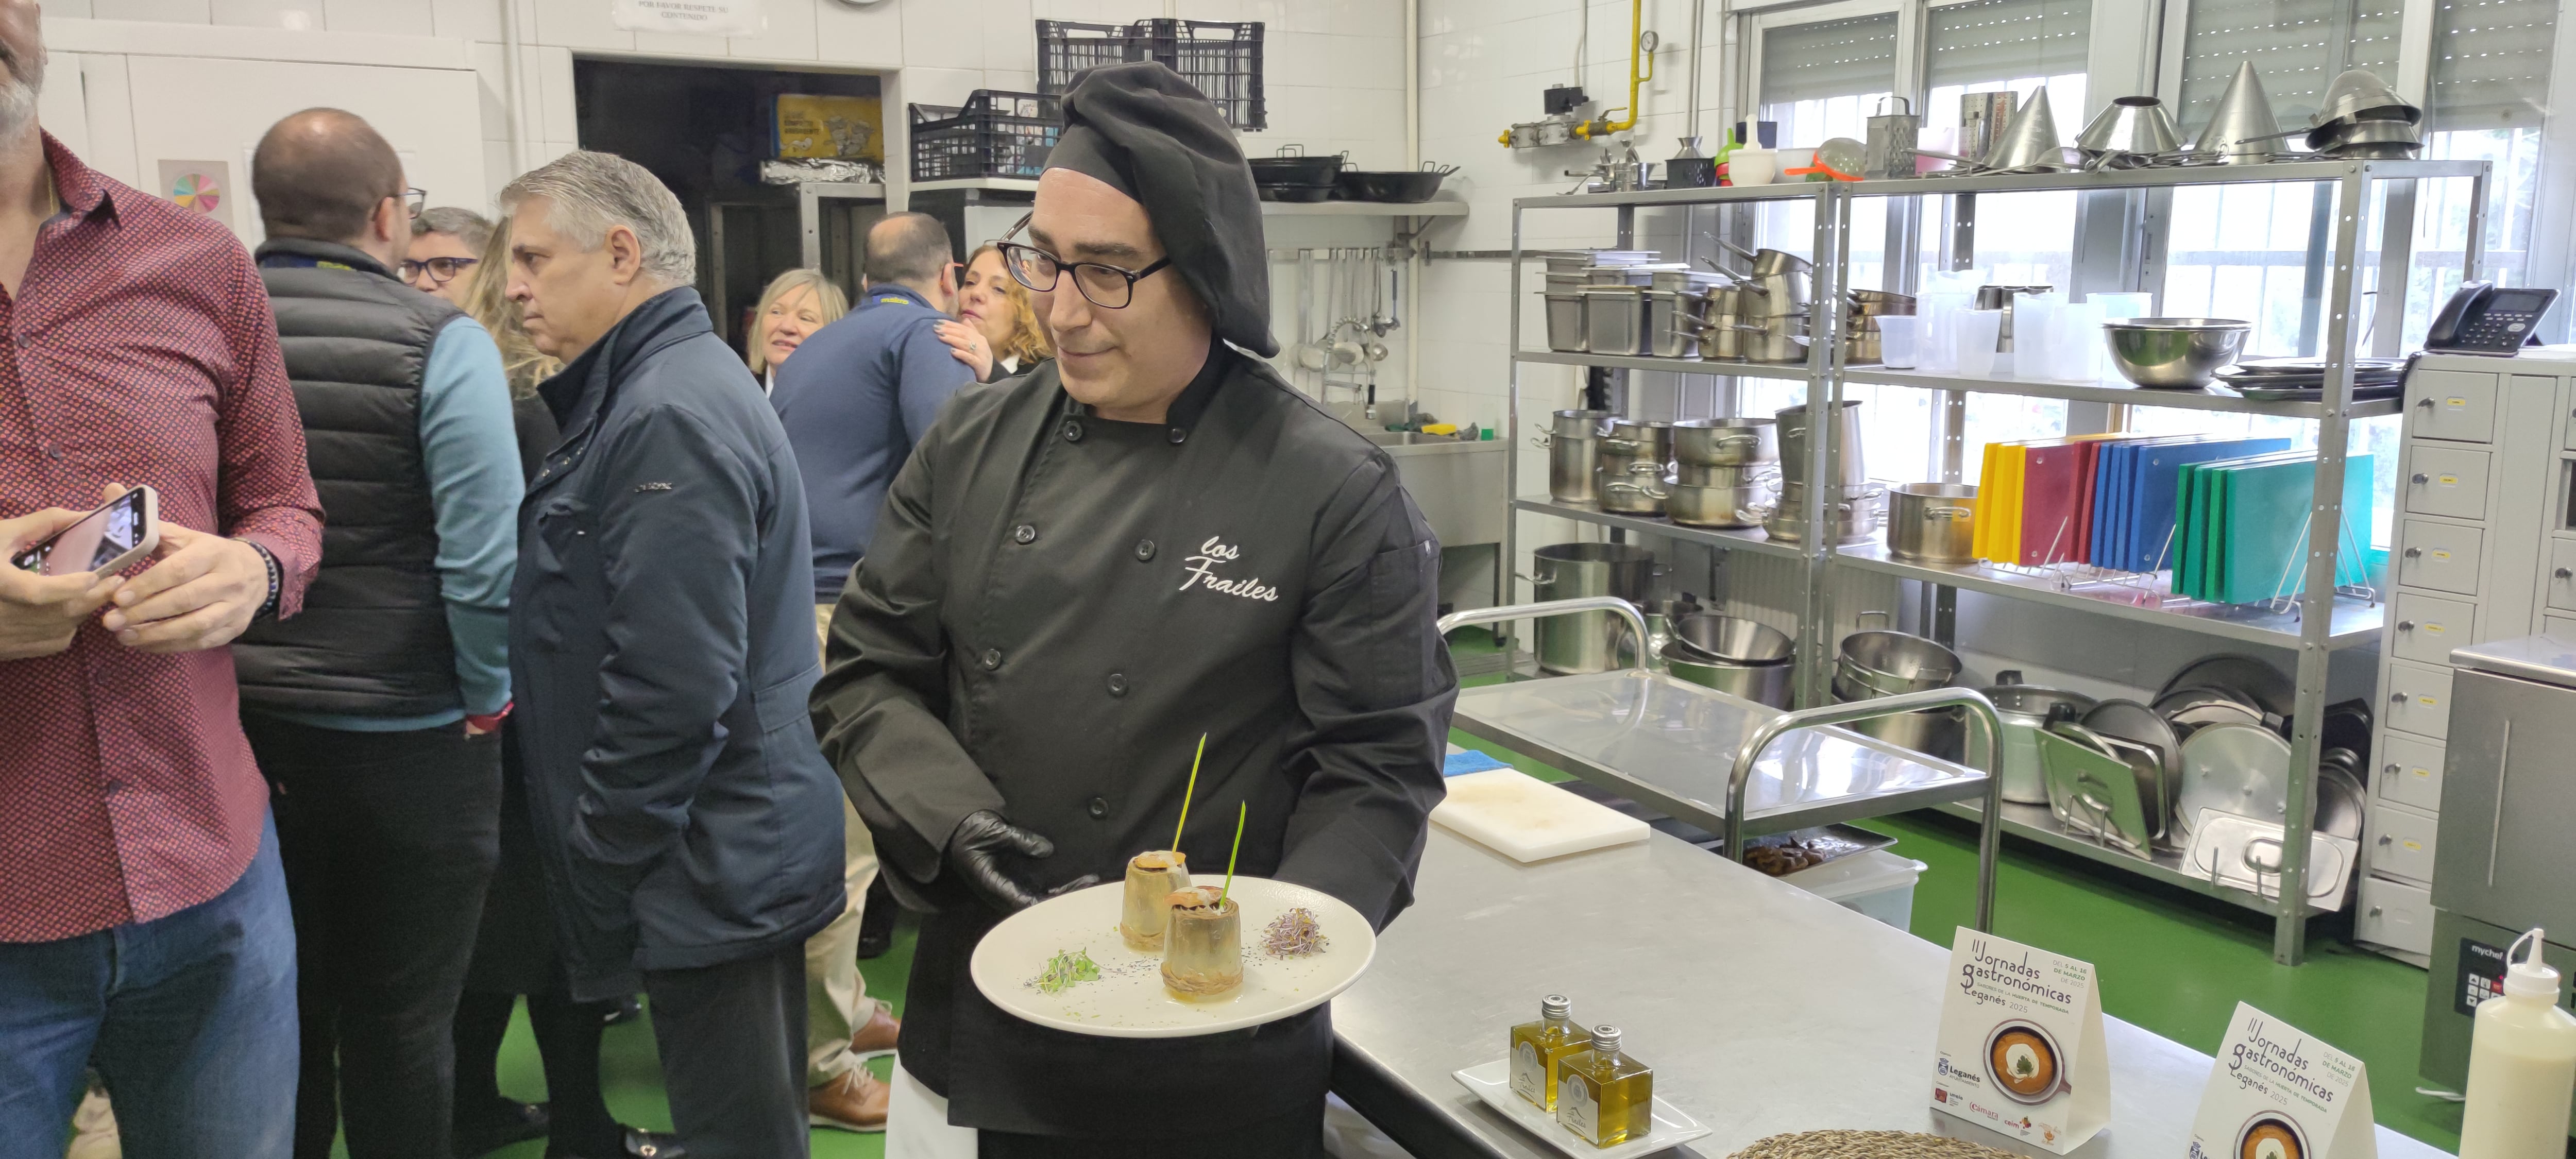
[{"x": 1053, "y": 610}]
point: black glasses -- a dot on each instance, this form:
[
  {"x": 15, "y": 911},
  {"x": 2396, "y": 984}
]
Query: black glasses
[
  {"x": 441, "y": 270},
  {"x": 1105, "y": 286},
  {"x": 413, "y": 200}
]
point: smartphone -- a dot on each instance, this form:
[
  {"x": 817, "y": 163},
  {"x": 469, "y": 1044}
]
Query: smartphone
[{"x": 110, "y": 539}]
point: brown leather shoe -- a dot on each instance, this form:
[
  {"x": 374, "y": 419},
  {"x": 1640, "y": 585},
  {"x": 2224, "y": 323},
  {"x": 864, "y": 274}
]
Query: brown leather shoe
[
  {"x": 853, "y": 1102},
  {"x": 877, "y": 1038}
]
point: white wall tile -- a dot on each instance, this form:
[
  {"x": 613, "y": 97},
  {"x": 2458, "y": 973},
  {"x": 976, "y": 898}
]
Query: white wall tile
[
  {"x": 294, "y": 15},
  {"x": 1366, "y": 62},
  {"x": 170, "y": 11},
  {"x": 492, "y": 74},
  {"x": 466, "y": 19},
  {"x": 558, "y": 117},
  {"x": 940, "y": 86},
  {"x": 942, "y": 40},
  {"x": 497, "y": 172},
  {"x": 110, "y": 106},
  {"x": 870, "y": 36},
  {"x": 1010, "y": 80},
  {"x": 1296, "y": 58},
  {"x": 579, "y": 24},
  {"x": 1009, "y": 37},
  {"x": 1291, "y": 15},
  {"x": 389, "y": 17},
  {"x": 68, "y": 9},
  {"x": 790, "y": 35}
]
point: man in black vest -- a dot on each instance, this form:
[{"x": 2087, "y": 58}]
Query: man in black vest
[{"x": 373, "y": 713}]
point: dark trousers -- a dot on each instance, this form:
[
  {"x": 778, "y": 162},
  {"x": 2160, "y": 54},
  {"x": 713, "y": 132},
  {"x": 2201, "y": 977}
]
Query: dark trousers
[
  {"x": 732, "y": 1039},
  {"x": 389, "y": 840}
]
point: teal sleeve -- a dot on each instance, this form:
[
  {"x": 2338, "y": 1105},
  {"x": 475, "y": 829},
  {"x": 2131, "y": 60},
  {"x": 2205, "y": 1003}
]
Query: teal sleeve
[{"x": 471, "y": 452}]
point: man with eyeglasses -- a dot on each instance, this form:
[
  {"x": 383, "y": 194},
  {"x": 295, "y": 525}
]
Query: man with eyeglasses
[
  {"x": 446, "y": 244},
  {"x": 374, "y": 712},
  {"x": 1084, "y": 571}
]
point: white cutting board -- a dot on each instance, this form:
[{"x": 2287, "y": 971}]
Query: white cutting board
[{"x": 1527, "y": 819}]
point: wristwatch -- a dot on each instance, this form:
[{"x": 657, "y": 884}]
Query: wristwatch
[{"x": 276, "y": 584}]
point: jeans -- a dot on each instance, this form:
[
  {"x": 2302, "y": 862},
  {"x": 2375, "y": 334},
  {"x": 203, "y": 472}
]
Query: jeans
[
  {"x": 190, "y": 1018},
  {"x": 732, "y": 1038},
  {"x": 389, "y": 840}
]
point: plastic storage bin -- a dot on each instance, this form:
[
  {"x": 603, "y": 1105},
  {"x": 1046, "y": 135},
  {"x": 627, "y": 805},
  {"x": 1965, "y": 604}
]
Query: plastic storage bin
[
  {"x": 1222, "y": 58},
  {"x": 1877, "y": 883},
  {"x": 994, "y": 134}
]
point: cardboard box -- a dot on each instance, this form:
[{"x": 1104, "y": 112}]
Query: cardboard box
[{"x": 825, "y": 126}]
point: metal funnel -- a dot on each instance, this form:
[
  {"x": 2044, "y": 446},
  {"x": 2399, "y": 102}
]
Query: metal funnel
[
  {"x": 2029, "y": 140},
  {"x": 2358, "y": 96},
  {"x": 2241, "y": 127},
  {"x": 2135, "y": 125}
]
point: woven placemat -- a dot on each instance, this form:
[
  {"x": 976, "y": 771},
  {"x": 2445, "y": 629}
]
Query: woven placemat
[{"x": 1868, "y": 1145}]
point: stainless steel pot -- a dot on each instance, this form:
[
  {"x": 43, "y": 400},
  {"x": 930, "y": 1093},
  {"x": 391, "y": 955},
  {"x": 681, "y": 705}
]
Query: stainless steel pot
[
  {"x": 1775, "y": 296},
  {"x": 2024, "y": 710},
  {"x": 1614, "y": 319},
  {"x": 1851, "y": 511},
  {"x": 1735, "y": 442},
  {"x": 1638, "y": 440},
  {"x": 1794, "y": 426},
  {"x": 1783, "y": 341},
  {"x": 1573, "y": 445},
  {"x": 1887, "y": 662},
  {"x": 1768, "y": 262},
  {"x": 1566, "y": 331},
  {"x": 1673, "y": 320},
  {"x": 1699, "y": 505},
  {"x": 1750, "y": 474},
  {"x": 1766, "y": 684},
  {"x": 1932, "y": 523},
  {"x": 1589, "y": 641},
  {"x": 1938, "y": 732},
  {"x": 1632, "y": 493}
]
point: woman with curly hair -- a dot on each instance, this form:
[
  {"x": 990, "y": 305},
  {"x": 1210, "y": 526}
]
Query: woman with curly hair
[{"x": 997, "y": 307}]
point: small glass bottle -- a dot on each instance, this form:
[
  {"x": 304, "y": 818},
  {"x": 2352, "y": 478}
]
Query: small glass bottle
[
  {"x": 1152, "y": 878},
  {"x": 1606, "y": 1097},
  {"x": 1540, "y": 1048},
  {"x": 1202, "y": 945}
]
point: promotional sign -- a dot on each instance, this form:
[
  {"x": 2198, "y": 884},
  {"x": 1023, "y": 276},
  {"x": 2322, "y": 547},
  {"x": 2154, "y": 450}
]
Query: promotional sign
[
  {"x": 2278, "y": 1093},
  {"x": 2021, "y": 1048},
  {"x": 709, "y": 17},
  {"x": 200, "y": 187}
]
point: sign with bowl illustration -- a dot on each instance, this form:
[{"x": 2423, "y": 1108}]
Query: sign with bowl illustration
[
  {"x": 2277, "y": 1092},
  {"x": 2021, "y": 1048}
]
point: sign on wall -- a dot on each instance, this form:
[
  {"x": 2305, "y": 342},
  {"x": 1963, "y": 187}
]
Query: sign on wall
[
  {"x": 705, "y": 17},
  {"x": 200, "y": 186}
]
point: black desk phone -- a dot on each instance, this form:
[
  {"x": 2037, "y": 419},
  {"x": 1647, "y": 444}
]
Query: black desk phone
[{"x": 2484, "y": 318}]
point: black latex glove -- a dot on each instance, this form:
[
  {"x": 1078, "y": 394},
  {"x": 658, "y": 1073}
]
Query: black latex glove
[{"x": 978, "y": 849}]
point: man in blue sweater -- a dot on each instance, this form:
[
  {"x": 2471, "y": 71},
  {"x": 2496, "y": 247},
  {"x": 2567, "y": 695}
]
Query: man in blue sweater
[
  {"x": 373, "y": 711},
  {"x": 855, "y": 398}
]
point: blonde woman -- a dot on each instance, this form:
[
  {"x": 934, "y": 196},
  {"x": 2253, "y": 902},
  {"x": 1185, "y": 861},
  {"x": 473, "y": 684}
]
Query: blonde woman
[
  {"x": 992, "y": 304},
  {"x": 489, "y": 302},
  {"x": 796, "y": 304}
]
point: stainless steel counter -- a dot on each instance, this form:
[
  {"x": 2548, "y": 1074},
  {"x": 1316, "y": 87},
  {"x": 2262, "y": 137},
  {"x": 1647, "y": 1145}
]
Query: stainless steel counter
[{"x": 1763, "y": 1009}]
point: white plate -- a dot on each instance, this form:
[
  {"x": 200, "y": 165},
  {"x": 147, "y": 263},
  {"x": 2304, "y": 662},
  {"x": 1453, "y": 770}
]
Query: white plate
[
  {"x": 1492, "y": 1082},
  {"x": 1129, "y": 1000}
]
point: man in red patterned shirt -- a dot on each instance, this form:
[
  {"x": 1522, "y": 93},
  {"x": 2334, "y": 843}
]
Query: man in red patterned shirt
[{"x": 143, "y": 918}]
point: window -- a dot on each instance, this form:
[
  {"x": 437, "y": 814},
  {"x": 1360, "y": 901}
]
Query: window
[
  {"x": 2016, "y": 45},
  {"x": 2297, "y": 47},
  {"x": 1824, "y": 79},
  {"x": 2490, "y": 94}
]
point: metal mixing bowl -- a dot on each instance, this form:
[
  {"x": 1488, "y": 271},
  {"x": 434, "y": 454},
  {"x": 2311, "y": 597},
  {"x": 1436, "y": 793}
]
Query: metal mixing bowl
[{"x": 2175, "y": 353}]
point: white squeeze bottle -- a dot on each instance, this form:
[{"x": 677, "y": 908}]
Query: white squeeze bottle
[{"x": 2522, "y": 1066}]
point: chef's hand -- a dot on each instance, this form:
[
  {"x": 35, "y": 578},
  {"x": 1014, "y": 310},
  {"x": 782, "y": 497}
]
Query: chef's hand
[
  {"x": 968, "y": 346},
  {"x": 975, "y": 851},
  {"x": 39, "y": 614}
]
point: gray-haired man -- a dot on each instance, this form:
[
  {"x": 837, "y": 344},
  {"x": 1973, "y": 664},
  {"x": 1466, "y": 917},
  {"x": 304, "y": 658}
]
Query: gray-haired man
[
  {"x": 662, "y": 646},
  {"x": 446, "y": 244}
]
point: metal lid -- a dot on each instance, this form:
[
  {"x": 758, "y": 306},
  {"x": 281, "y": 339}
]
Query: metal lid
[
  {"x": 1555, "y": 1006},
  {"x": 2547, "y": 659},
  {"x": 1605, "y": 1037}
]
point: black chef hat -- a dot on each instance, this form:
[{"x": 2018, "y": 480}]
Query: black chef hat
[{"x": 1144, "y": 130}]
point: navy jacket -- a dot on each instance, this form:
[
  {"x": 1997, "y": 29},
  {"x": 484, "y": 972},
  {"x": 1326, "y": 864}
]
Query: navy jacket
[
  {"x": 856, "y": 397},
  {"x": 661, "y": 649}
]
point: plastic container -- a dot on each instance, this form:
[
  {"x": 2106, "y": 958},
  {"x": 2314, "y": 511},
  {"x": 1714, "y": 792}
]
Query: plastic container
[
  {"x": 1877, "y": 883},
  {"x": 2522, "y": 1065},
  {"x": 1222, "y": 58},
  {"x": 1900, "y": 341},
  {"x": 1973, "y": 334},
  {"x": 994, "y": 134},
  {"x": 2122, "y": 307}
]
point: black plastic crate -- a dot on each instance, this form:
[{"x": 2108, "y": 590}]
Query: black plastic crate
[
  {"x": 994, "y": 134},
  {"x": 1221, "y": 58}
]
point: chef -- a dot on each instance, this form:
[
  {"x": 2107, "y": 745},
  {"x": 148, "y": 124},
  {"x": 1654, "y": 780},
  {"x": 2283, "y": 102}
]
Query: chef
[{"x": 1080, "y": 572}]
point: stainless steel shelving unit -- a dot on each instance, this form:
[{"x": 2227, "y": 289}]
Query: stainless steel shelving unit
[{"x": 2321, "y": 621}]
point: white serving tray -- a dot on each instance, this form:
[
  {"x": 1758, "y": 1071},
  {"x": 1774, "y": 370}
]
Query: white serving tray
[{"x": 1492, "y": 1082}]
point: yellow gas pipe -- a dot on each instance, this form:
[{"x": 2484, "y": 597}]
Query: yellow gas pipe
[{"x": 1604, "y": 126}]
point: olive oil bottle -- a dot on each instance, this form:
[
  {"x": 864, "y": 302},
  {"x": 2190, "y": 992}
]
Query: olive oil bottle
[
  {"x": 1540, "y": 1048},
  {"x": 1606, "y": 1097}
]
